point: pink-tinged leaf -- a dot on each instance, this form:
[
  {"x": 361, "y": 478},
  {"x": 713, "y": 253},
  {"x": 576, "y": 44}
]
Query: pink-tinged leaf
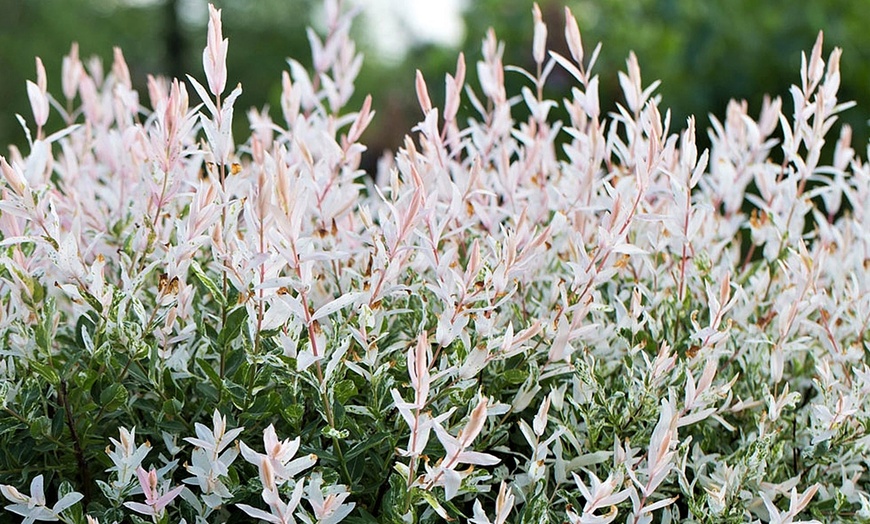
[
  {"x": 12, "y": 494},
  {"x": 475, "y": 423},
  {"x": 477, "y": 458},
  {"x": 230, "y": 101},
  {"x": 13, "y": 177},
  {"x": 203, "y": 95},
  {"x": 450, "y": 326},
  {"x": 698, "y": 416},
  {"x": 571, "y": 68},
  {"x": 660, "y": 504},
  {"x": 423, "y": 94},
  {"x": 164, "y": 501},
  {"x": 539, "y": 41},
  {"x": 41, "y": 79},
  {"x": 71, "y": 72},
  {"x": 503, "y": 503},
  {"x": 561, "y": 349},
  {"x": 662, "y": 436},
  {"x": 214, "y": 56},
  {"x": 403, "y": 407},
  {"x": 362, "y": 120},
  {"x": 460, "y": 71},
  {"x": 302, "y": 84},
  {"x": 572, "y": 37},
  {"x": 317, "y": 52},
  {"x": 813, "y": 73},
  {"x": 120, "y": 69},
  {"x": 38, "y": 103},
  {"x": 451, "y": 103},
  {"x": 508, "y": 339},
  {"x": 798, "y": 502},
  {"x": 540, "y": 420},
  {"x": 57, "y": 135}
]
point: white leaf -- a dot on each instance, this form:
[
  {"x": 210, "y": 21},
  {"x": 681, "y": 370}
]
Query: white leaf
[
  {"x": 68, "y": 500},
  {"x": 203, "y": 94},
  {"x": 335, "y": 305},
  {"x": 305, "y": 359},
  {"x": 258, "y": 513},
  {"x": 475, "y": 362},
  {"x": 452, "y": 481}
]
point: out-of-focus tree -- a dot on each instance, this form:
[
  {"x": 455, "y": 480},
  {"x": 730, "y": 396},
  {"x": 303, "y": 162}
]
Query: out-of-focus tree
[
  {"x": 47, "y": 28},
  {"x": 157, "y": 37},
  {"x": 706, "y": 52}
]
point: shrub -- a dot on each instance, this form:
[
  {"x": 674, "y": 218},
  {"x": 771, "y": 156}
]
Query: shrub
[{"x": 493, "y": 329}]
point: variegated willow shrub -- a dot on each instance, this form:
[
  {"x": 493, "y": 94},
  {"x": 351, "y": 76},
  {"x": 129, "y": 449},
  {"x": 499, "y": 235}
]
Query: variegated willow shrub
[{"x": 517, "y": 320}]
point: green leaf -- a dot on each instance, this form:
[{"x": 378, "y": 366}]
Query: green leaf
[
  {"x": 173, "y": 407},
  {"x": 108, "y": 491},
  {"x": 233, "y": 296},
  {"x": 208, "y": 283},
  {"x": 44, "y": 330},
  {"x": 394, "y": 501},
  {"x": 293, "y": 413},
  {"x": 208, "y": 391},
  {"x": 45, "y": 371},
  {"x": 335, "y": 433},
  {"x": 515, "y": 376},
  {"x": 433, "y": 502},
  {"x": 93, "y": 302},
  {"x": 369, "y": 443},
  {"x": 344, "y": 390},
  {"x": 57, "y": 424},
  {"x": 209, "y": 371},
  {"x": 363, "y": 517},
  {"x": 73, "y": 512},
  {"x": 64, "y": 489},
  {"x": 40, "y": 427},
  {"x": 113, "y": 397},
  {"x": 238, "y": 394},
  {"x": 233, "y": 326},
  {"x": 234, "y": 365},
  {"x": 38, "y": 291}
]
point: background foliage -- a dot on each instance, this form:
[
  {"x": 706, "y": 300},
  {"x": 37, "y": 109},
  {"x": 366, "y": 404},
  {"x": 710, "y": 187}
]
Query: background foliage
[{"x": 705, "y": 52}]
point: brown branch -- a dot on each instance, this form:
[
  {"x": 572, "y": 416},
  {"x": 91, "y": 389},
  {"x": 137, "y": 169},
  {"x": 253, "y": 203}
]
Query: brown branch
[{"x": 84, "y": 475}]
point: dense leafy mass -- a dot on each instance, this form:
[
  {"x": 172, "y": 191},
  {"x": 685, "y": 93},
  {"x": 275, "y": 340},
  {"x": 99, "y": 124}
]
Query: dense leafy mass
[{"x": 519, "y": 319}]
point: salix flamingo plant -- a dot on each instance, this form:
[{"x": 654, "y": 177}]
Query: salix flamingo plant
[{"x": 595, "y": 320}]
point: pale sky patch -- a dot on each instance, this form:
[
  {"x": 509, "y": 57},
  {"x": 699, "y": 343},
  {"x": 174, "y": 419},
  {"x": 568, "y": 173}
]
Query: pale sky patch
[
  {"x": 391, "y": 27},
  {"x": 394, "y": 26}
]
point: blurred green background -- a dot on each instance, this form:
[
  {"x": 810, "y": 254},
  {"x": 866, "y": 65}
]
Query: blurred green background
[{"x": 705, "y": 51}]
